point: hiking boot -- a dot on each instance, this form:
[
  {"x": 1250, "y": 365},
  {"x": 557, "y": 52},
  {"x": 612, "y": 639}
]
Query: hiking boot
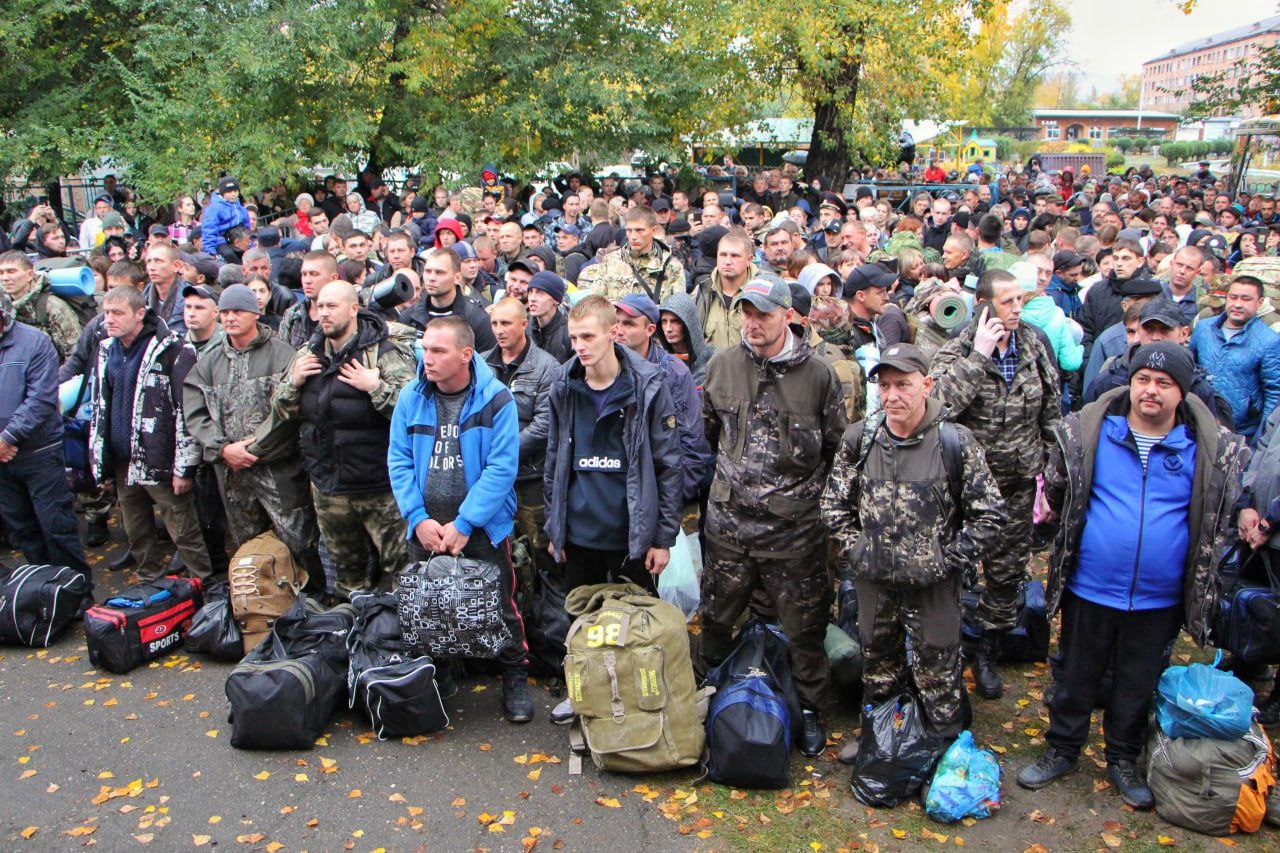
[
  {"x": 813, "y": 737},
  {"x": 562, "y": 714},
  {"x": 97, "y": 534},
  {"x": 986, "y": 674},
  {"x": 124, "y": 561},
  {"x": 517, "y": 701},
  {"x": 849, "y": 752},
  {"x": 1129, "y": 782},
  {"x": 1049, "y": 766},
  {"x": 1269, "y": 711}
]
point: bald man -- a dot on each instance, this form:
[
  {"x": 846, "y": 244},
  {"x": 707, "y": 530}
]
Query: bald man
[{"x": 342, "y": 388}]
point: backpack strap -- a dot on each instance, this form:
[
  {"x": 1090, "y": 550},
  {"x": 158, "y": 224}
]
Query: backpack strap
[
  {"x": 870, "y": 427},
  {"x": 953, "y": 459},
  {"x": 42, "y": 308}
]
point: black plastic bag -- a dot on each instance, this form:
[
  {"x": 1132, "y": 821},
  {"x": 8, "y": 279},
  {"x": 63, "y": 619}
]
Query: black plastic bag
[
  {"x": 214, "y": 630},
  {"x": 896, "y": 753}
]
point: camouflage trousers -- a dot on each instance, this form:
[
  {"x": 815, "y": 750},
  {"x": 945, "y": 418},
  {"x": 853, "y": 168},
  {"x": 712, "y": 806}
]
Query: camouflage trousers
[
  {"x": 275, "y": 497},
  {"x": 1005, "y": 569},
  {"x": 928, "y": 617},
  {"x": 347, "y": 523},
  {"x": 793, "y": 592}
]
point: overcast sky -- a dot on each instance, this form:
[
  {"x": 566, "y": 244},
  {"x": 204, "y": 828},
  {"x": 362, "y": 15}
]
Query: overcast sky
[{"x": 1113, "y": 37}]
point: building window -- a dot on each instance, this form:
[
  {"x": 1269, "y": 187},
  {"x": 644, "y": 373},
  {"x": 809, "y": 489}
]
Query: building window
[{"x": 1051, "y": 131}]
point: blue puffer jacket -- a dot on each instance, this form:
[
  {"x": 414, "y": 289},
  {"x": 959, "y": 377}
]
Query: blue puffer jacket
[
  {"x": 1245, "y": 369},
  {"x": 489, "y": 438},
  {"x": 219, "y": 218},
  {"x": 29, "y": 415}
]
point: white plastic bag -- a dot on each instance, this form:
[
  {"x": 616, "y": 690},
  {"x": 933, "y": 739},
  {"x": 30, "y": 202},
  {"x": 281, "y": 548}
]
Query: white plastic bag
[{"x": 679, "y": 582}]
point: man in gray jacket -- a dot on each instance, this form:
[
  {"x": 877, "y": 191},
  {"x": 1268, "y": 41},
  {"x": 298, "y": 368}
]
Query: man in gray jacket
[{"x": 227, "y": 402}]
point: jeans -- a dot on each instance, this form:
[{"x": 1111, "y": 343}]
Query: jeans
[{"x": 40, "y": 512}]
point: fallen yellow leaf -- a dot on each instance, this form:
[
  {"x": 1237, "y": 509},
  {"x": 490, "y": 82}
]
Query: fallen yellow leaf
[
  {"x": 216, "y": 819},
  {"x": 145, "y": 838},
  {"x": 211, "y": 733},
  {"x": 355, "y": 794},
  {"x": 459, "y": 802},
  {"x": 414, "y": 811},
  {"x": 29, "y": 831},
  {"x": 274, "y": 846},
  {"x": 1165, "y": 840},
  {"x": 899, "y": 833},
  {"x": 300, "y": 777},
  {"x": 200, "y": 840},
  {"x": 250, "y": 839},
  {"x": 1110, "y": 840},
  {"x": 263, "y": 776},
  {"x": 535, "y": 774},
  {"x": 608, "y": 802}
]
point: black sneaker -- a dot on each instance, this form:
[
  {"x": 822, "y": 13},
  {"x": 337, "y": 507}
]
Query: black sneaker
[
  {"x": 1129, "y": 782},
  {"x": 124, "y": 561},
  {"x": 813, "y": 737},
  {"x": 562, "y": 714},
  {"x": 1049, "y": 766},
  {"x": 517, "y": 702},
  {"x": 97, "y": 534}
]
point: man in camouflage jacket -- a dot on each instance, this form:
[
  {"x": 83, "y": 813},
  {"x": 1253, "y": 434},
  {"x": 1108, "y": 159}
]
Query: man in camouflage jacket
[
  {"x": 998, "y": 380},
  {"x": 910, "y": 535},
  {"x": 774, "y": 417},
  {"x": 644, "y": 265}
]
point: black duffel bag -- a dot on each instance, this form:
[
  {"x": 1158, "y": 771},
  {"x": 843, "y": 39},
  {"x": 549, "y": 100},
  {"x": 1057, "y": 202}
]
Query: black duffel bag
[
  {"x": 285, "y": 691},
  {"x": 395, "y": 689},
  {"x": 214, "y": 630},
  {"x": 546, "y": 625},
  {"x": 38, "y": 603}
]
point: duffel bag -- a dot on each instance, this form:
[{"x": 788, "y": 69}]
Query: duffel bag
[
  {"x": 1026, "y": 642},
  {"x": 546, "y": 625},
  {"x": 285, "y": 691},
  {"x": 1248, "y": 621},
  {"x": 758, "y": 638},
  {"x": 844, "y": 658},
  {"x": 748, "y": 725},
  {"x": 1217, "y": 787},
  {"x": 452, "y": 606},
  {"x": 214, "y": 630},
  {"x": 265, "y": 581},
  {"x": 141, "y": 623},
  {"x": 38, "y": 603},
  {"x": 397, "y": 691},
  {"x": 630, "y": 679}
]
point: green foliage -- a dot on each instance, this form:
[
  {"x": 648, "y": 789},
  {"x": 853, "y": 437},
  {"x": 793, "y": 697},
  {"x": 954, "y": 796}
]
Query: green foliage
[
  {"x": 1141, "y": 144},
  {"x": 1005, "y": 147},
  {"x": 1115, "y": 160},
  {"x": 1174, "y": 152},
  {"x": 1256, "y": 86},
  {"x": 1124, "y": 143}
]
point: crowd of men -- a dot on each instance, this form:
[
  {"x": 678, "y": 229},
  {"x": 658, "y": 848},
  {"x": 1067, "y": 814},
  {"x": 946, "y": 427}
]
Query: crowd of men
[{"x": 597, "y": 366}]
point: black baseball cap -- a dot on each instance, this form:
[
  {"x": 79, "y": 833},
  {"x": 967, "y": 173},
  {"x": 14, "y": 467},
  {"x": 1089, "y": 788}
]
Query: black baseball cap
[
  {"x": 1162, "y": 311},
  {"x": 864, "y": 276},
  {"x": 905, "y": 357},
  {"x": 1065, "y": 259}
]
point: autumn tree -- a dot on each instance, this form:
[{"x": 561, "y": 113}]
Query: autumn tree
[{"x": 1254, "y": 85}]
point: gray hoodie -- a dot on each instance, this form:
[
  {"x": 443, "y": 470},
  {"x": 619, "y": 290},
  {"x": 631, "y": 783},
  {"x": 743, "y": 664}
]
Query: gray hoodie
[{"x": 682, "y": 305}]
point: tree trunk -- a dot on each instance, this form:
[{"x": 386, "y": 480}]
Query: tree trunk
[
  {"x": 380, "y": 156},
  {"x": 828, "y": 157}
]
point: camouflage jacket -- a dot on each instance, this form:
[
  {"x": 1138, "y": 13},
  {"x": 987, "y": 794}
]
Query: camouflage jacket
[
  {"x": 227, "y": 395},
  {"x": 618, "y": 272},
  {"x": 894, "y": 516},
  {"x": 721, "y": 318},
  {"x": 39, "y": 307},
  {"x": 774, "y": 426},
  {"x": 1014, "y": 424},
  {"x": 1221, "y": 457}
]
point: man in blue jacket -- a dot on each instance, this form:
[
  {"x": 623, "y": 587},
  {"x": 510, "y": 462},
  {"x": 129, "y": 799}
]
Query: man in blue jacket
[
  {"x": 35, "y": 502},
  {"x": 453, "y": 457},
  {"x": 223, "y": 213},
  {"x": 1241, "y": 356}
]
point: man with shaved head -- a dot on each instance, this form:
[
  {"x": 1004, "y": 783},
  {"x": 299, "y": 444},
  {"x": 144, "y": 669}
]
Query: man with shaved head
[{"x": 341, "y": 388}]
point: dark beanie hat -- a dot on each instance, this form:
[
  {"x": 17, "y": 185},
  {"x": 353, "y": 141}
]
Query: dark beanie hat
[
  {"x": 1166, "y": 357},
  {"x": 548, "y": 282},
  {"x": 420, "y": 204}
]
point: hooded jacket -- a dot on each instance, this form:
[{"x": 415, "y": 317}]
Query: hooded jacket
[
  {"x": 451, "y": 225},
  {"x": 1102, "y": 308},
  {"x": 219, "y": 218},
  {"x": 696, "y": 457},
  {"x": 1043, "y": 312},
  {"x": 489, "y": 442},
  {"x": 721, "y": 319},
  {"x": 1220, "y": 458},
  {"x": 227, "y": 396},
  {"x": 161, "y": 448},
  {"x": 29, "y": 416},
  {"x": 700, "y": 352},
  {"x": 1245, "y": 369},
  {"x": 1065, "y": 295},
  {"x": 652, "y": 443}
]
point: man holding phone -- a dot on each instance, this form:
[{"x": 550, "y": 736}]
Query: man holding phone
[{"x": 1000, "y": 382}]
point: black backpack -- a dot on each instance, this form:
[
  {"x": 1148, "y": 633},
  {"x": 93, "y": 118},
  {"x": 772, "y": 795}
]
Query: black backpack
[
  {"x": 84, "y": 307},
  {"x": 748, "y": 722},
  {"x": 38, "y": 603},
  {"x": 952, "y": 454},
  {"x": 395, "y": 689},
  {"x": 285, "y": 691},
  {"x": 547, "y": 625}
]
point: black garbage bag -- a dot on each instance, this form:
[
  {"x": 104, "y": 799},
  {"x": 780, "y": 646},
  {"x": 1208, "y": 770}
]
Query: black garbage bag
[
  {"x": 214, "y": 630},
  {"x": 896, "y": 752}
]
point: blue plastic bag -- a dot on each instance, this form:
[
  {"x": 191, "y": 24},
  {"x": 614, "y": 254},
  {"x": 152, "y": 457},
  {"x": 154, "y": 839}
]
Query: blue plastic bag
[
  {"x": 1202, "y": 701},
  {"x": 966, "y": 783}
]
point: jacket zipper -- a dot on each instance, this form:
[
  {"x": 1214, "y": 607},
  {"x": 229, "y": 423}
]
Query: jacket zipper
[{"x": 1142, "y": 512}]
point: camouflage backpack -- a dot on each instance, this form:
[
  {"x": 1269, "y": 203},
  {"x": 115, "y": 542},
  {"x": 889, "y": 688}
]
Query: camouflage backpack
[{"x": 853, "y": 380}]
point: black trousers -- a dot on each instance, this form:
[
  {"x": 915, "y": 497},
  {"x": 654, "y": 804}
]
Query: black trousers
[
  {"x": 478, "y": 547},
  {"x": 39, "y": 511},
  {"x": 1095, "y": 636},
  {"x": 583, "y": 566}
]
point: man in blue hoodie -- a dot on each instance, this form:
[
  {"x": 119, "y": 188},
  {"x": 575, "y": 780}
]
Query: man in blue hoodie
[{"x": 453, "y": 457}]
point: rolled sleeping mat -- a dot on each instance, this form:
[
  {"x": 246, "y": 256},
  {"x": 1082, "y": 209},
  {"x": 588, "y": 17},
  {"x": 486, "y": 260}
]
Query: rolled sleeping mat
[
  {"x": 949, "y": 310},
  {"x": 71, "y": 281},
  {"x": 396, "y": 290}
]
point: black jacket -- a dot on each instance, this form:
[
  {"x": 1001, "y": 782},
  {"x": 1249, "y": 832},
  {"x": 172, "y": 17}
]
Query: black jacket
[
  {"x": 468, "y": 308},
  {"x": 554, "y": 337},
  {"x": 1102, "y": 308}
]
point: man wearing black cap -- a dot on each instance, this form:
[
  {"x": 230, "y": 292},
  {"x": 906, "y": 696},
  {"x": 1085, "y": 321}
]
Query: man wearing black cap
[
  {"x": 1064, "y": 287},
  {"x": 875, "y": 319},
  {"x": 998, "y": 379},
  {"x": 223, "y": 213},
  {"x": 1160, "y": 320},
  {"x": 1140, "y": 478},
  {"x": 765, "y": 540},
  {"x": 1102, "y": 306},
  {"x": 550, "y": 329},
  {"x": 905, "y": 486}
]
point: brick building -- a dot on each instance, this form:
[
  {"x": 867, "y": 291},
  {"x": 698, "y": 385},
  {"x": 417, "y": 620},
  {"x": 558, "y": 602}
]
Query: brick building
[
  {"x": 1229, "y": 50},
  {"x": 1097, "y": 126}
]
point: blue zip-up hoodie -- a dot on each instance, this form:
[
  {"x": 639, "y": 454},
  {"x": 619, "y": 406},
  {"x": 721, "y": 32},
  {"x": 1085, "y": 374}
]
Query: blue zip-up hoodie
[
  {"x": 1065, "y": 296},
  {"x": 489, "y": 438},
  {"x": 1140, "y": 566},
  {"x": 1245, "y": 369}
]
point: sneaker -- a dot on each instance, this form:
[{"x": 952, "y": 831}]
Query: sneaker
[
  {"x": 562, "y": 714},
  {"x": 517, "y": 702},
  {"x": 813, "y": 737},
  {"x": 1129, "y": 782},
  {"x": 1049, "y": 766},
  {"x": 124, "y": 561}
]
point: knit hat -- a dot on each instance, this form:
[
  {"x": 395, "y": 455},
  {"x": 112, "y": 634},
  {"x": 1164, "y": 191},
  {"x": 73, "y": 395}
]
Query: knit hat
[
  {"x": 112, "y": 220},
  {"x": 420, "y": 204},
  {"x": 464, "y": 250},
  {"x": 1165, "y": 357},
  {"x": 238, "y": 297},
  {"x": 549, "y": 283}
]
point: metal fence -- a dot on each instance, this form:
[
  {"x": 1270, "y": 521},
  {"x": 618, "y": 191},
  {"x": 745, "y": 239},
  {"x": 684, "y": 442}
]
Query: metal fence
[{"x": 70, "y": 198}]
